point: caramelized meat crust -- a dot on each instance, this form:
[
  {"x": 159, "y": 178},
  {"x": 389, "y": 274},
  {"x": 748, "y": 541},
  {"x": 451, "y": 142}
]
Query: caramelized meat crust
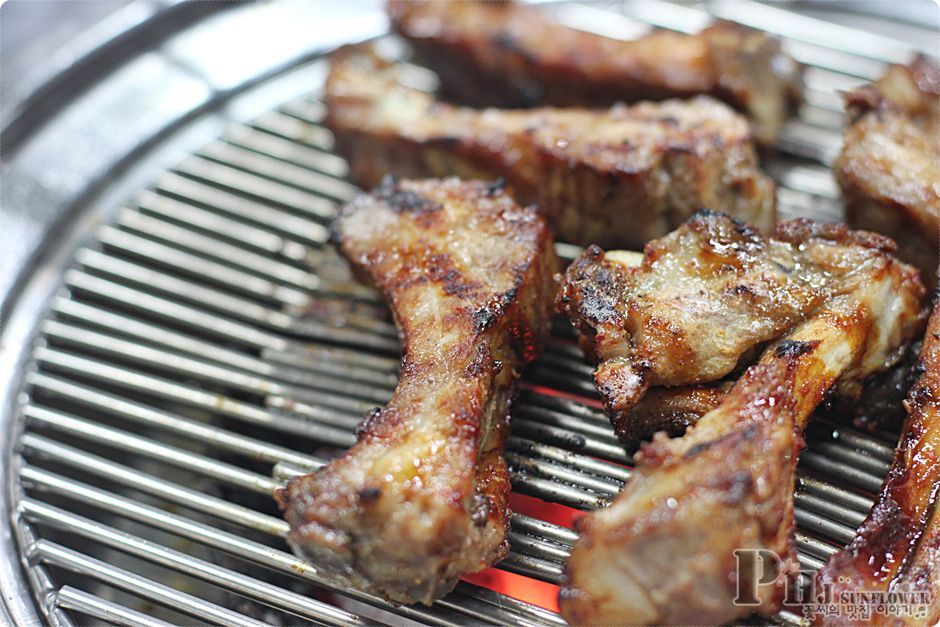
[
  {"x": 672, "y": 410},
  {"x": 663, "y": 552},
  {"x": 897, "y": 548},
  {"x": 616, "y": 177},
  {"x": 889, "y": 167},
  {"x": 705, "y": 298},
  {"x": 496, "y": 54},
  {"x": 881, "y": 403},
  {"x": 421, "y": 498}
]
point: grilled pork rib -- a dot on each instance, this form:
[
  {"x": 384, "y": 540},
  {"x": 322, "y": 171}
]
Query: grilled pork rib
[
  {"x": 898, "y": 545},
  {"x": 663, "y": 551},
  {"x": 507, "y": 54},
  {"x": 618, "y": 177},
  {"x": 701, "y": 302},
  {"x": 889, "y": 167},
  {"x": 421, "y": 498}
]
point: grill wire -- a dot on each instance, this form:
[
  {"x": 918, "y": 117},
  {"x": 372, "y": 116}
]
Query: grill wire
[{"x": 208, "y": 344}]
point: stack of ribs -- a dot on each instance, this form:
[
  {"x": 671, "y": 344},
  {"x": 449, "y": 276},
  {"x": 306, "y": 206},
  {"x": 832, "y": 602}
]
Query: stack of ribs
[
  {"x": 508, "y": 54},
  {"x": 421, "y": 498},
  {"x": 897, "y": 548},
  {"x": 726, "y": 332},
  {"x": 825, "y": 307},
  {"x": 889, "y": 172}
]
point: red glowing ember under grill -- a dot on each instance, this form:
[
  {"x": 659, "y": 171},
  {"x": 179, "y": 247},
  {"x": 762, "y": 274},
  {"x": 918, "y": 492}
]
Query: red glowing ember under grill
[{"x": 521, "y": 587}]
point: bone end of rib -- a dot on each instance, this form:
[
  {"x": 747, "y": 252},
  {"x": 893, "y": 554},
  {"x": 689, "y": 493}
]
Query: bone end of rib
[{"x": 628, "y": 258}]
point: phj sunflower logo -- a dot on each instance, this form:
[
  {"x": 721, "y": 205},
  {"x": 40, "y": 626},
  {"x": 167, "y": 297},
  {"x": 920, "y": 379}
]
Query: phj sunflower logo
[{"x": 759, "y": 570}]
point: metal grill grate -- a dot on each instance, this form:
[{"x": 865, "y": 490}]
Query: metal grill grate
[{"x": 208, "y": 344}]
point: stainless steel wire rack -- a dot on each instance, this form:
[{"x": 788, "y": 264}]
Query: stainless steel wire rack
[{"x": 206, "y": 343}]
